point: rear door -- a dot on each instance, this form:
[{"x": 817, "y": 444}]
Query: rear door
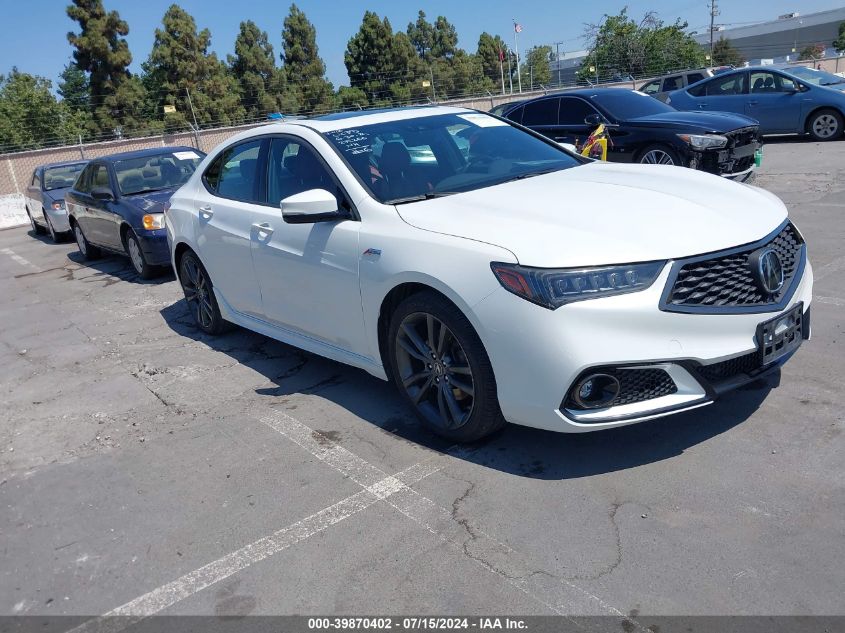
[
  {"x": 231, "y": 185},
  {"x": 33, "y": 197},
  {"x": 773, "y": 100},
  {"x": 724, "y": 93},
  {"x": 542, "y": 116}
]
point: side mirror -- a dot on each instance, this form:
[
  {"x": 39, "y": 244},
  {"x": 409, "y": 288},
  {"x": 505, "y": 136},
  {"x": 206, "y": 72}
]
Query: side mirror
[
  {"x": 102, "y": 193},
  {"x": 593, "y": 119},
  {"x": 307, "y": 207}
]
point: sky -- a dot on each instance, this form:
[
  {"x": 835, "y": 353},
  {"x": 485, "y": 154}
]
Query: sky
[{"x": 34, "y": 32}]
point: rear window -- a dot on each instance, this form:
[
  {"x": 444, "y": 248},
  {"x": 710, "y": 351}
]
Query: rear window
[
  {"x": 158, "y": 171},
  {"x": 60, "y": 177},
  {"x": 542, "y": 112}
]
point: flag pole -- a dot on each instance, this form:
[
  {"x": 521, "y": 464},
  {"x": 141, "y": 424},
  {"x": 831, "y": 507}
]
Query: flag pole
[
  {"x": 510, "y": 73},
  {"x": 502, "y": 68},
  {"x": 516, "y": 47}
]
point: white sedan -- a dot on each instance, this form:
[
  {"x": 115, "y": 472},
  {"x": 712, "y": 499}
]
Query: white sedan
[{"x": 502, "y": 278}]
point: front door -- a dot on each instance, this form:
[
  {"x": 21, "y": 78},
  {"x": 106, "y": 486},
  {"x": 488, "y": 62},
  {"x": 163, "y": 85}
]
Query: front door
[
  {"x": 724, "y": 93},
  {"x": 308, "y": 273},
  {"x": 224, "y": 205}
]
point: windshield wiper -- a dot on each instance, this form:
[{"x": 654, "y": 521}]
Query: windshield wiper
[
  {"x": 423, "y": 196},
  {"x": 530, "y": 174}
]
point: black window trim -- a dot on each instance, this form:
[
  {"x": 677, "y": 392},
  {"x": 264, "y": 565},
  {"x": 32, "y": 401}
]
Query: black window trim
[
  {"x": 589, "y": 104},
  {"x": 556, "y": 97}
]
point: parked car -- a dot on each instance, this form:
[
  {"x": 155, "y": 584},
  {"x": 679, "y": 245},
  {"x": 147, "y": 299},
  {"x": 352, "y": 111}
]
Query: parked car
[
  {"x": 45, "y": 197},
  {"x": 784, "y": 101},
  {"x": 117, "y": 204},
  {"x": 644, "y": 130},
  {"x": 661, "y": 87},
  {"x": 521, "y": 282}
]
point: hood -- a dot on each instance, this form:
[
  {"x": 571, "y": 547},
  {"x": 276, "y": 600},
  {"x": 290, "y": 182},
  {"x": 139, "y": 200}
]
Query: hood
[
  {"x": 57, "y": 194},
  {"x": 704, "y": 121},
  {"x": 150, "y": 201},
  {"x": 605, "y": 213}
]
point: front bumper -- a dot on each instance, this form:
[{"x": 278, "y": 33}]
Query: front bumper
[
  {"x": 737, "y": 161},
  {"x": 154, "y": 245},
  {"x": 538, "y": 354}
]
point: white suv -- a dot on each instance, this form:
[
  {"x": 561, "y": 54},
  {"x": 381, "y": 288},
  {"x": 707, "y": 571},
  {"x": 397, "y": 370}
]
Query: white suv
[{"x": 506, "y": 280}]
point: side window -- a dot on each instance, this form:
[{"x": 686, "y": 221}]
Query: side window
[
  {"x": 293, "y": 167},
  {"x": 672, "y": 83},
  {"x": 727, "y": 86},
  {"x": 83, "y": 183},
  {"x": 652, "y": 87},
  {"x": 99, "y": 178},
  {"x": 234, "y": 173},
  {"x": 694, "y": 78},
  {"x": 36, "y": 180},
  {"x": 542, "y": 112},
  {"x": 516, "y": 115},
  {"x": 573, "y": 111},
  {"x": 767, "y": 82}
]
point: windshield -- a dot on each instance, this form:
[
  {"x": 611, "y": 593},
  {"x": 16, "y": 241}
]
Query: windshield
[
  {"x": 425, "y": 157},
  {"x": 157, "y": 171},
  {"x": 813, "y": 76},
  {"x": 61, "y": 177},
  {"x": 629, "y": 104}
]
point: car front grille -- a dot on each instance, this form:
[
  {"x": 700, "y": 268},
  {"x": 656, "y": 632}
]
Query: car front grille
[
  {"x": 743, "y": 136},
  {"x": 723, "y": 281},
  {"x": 746, "y": 364}
]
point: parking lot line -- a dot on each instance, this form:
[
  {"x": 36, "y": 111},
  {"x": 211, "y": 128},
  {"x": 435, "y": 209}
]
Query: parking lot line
[
  {"x": 828, "y": 269},
  {"x": 20, "y": 260},
  {"x": 193, "y": 582},
  {"x": 557, "y": 594}
]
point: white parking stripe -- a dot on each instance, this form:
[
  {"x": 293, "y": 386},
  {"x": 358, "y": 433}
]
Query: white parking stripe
[
  {"x": 20, "y": 260},
  {"x": 557, "y": 594},
  {"x": 167, "y": 595},
  {"x": 828, "y": 269},
  {"x": 836, "y": 301}
]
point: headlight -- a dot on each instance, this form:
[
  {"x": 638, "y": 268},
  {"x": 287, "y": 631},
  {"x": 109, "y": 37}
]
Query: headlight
[
  {"x": 704, "y": 141},
  {"x": 153, "y": 221},
  {"x": 552, "y": 288},
  {"x": 58, "y": 205}
]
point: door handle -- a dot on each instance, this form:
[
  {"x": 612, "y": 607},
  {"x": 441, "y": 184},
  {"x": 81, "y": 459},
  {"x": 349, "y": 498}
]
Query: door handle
[
  {"x": 264, "y": 227},
  {"x": 206, "y": 212}
]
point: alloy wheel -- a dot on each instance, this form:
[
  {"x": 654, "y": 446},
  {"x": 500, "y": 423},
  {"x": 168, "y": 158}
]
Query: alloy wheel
[
  {"x": 825, "y": 126},
  {"x": 135, "y": 255},
  {"x": 197, "y": 292},
  {"x": 80, "y": 240},
  {"x": 657, "y": 157},
  {"x": 435, "y": 371}
]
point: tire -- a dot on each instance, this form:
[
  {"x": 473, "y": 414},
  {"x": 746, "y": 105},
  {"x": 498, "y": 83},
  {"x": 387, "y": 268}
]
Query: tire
[
  {"x": 36, "y": 229},
  {"x": 825, "y": 125},
  {"x": 199, "y": 295},
  {"x": 445, "y": 376},
  {"x": 136, "y": 256},
  {"x": 657, "y": 154},
  {"x": 86, "y": 249},
  {"x": 56, "y": 237}
]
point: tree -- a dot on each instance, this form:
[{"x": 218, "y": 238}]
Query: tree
[
  {"x": 839, "y": 42},
  {"x": 421, "y": 34},
  {"x": 814, "y": 51},
  {"x": 101, "y": 51},
  {"x": 181, "y": 72},
  {"x": 724, "y": 54},
  {"x": 254, "y": 67},
  {"x": 74, "y": 88},
  {"x": 304, "y": 68},
  {"x": 488, "y": 52},
  {"x": 623, "y": 47},
  {"x": 30, "y": 116},
  {"x": 536, "y": 66},
  {"x": 383, "y": 65}
]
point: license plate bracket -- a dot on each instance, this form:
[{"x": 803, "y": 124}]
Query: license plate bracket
[{"x": 781, "y": 335}]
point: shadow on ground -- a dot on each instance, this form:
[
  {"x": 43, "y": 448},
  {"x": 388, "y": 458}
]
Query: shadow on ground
[
  {"x": 515, "y": 450},
  {"x": 114, "y": 268}
]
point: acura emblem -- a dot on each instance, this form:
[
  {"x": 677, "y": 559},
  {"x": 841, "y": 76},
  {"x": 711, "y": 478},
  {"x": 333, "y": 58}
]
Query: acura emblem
[{"x": 767, "y": 270}]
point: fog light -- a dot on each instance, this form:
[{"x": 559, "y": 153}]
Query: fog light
[{"x": 595, "y": 391}]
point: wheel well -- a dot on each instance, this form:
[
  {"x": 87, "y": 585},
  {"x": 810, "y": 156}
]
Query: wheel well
[
  {"x": 816, "y": 111},
  {"x": 181, "y": 249},
  {"x": 388, "y": 305},
  {"x": 124, "y": 229},
  {"x": 71, "y": 221}
]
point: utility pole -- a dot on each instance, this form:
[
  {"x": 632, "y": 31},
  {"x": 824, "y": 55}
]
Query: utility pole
[
  {"x": 516, "y": 29},
  {"x": 510, "y": 73},
  {"x": 433, "y": 91},
  {"x": 557, "y": 61},
  {"x": 714, "y": 11},
  {"x": 194, "y": 115}
]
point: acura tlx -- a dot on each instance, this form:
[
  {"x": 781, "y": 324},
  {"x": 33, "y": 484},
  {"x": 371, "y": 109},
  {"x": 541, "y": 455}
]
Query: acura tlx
[{"x": 491, "y": 274}]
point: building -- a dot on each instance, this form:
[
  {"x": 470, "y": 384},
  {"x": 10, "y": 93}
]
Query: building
[
  {"x": 564, "y": 69},
  {"x": 782, "y": 39}
]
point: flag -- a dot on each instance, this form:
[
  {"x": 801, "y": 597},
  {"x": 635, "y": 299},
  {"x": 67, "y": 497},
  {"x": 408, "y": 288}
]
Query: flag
[
  {"x": 501, "y": 55},
  {"x": 517, "y": 28}
]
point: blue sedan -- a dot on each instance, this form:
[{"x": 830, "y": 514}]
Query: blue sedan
[
  {"x": 117, "y": 204},
  {"x": 785, "y": 100}
]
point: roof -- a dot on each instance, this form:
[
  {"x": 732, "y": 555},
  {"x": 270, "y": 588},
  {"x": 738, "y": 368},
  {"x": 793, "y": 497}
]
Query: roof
[
  {"x": 141, "y": 153},
  {"x": 788, "y": 25},
  {"x": 586, "y": 93},
  {"x": 343, "y": 120},
  {"x": 63, "y": 163}
]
